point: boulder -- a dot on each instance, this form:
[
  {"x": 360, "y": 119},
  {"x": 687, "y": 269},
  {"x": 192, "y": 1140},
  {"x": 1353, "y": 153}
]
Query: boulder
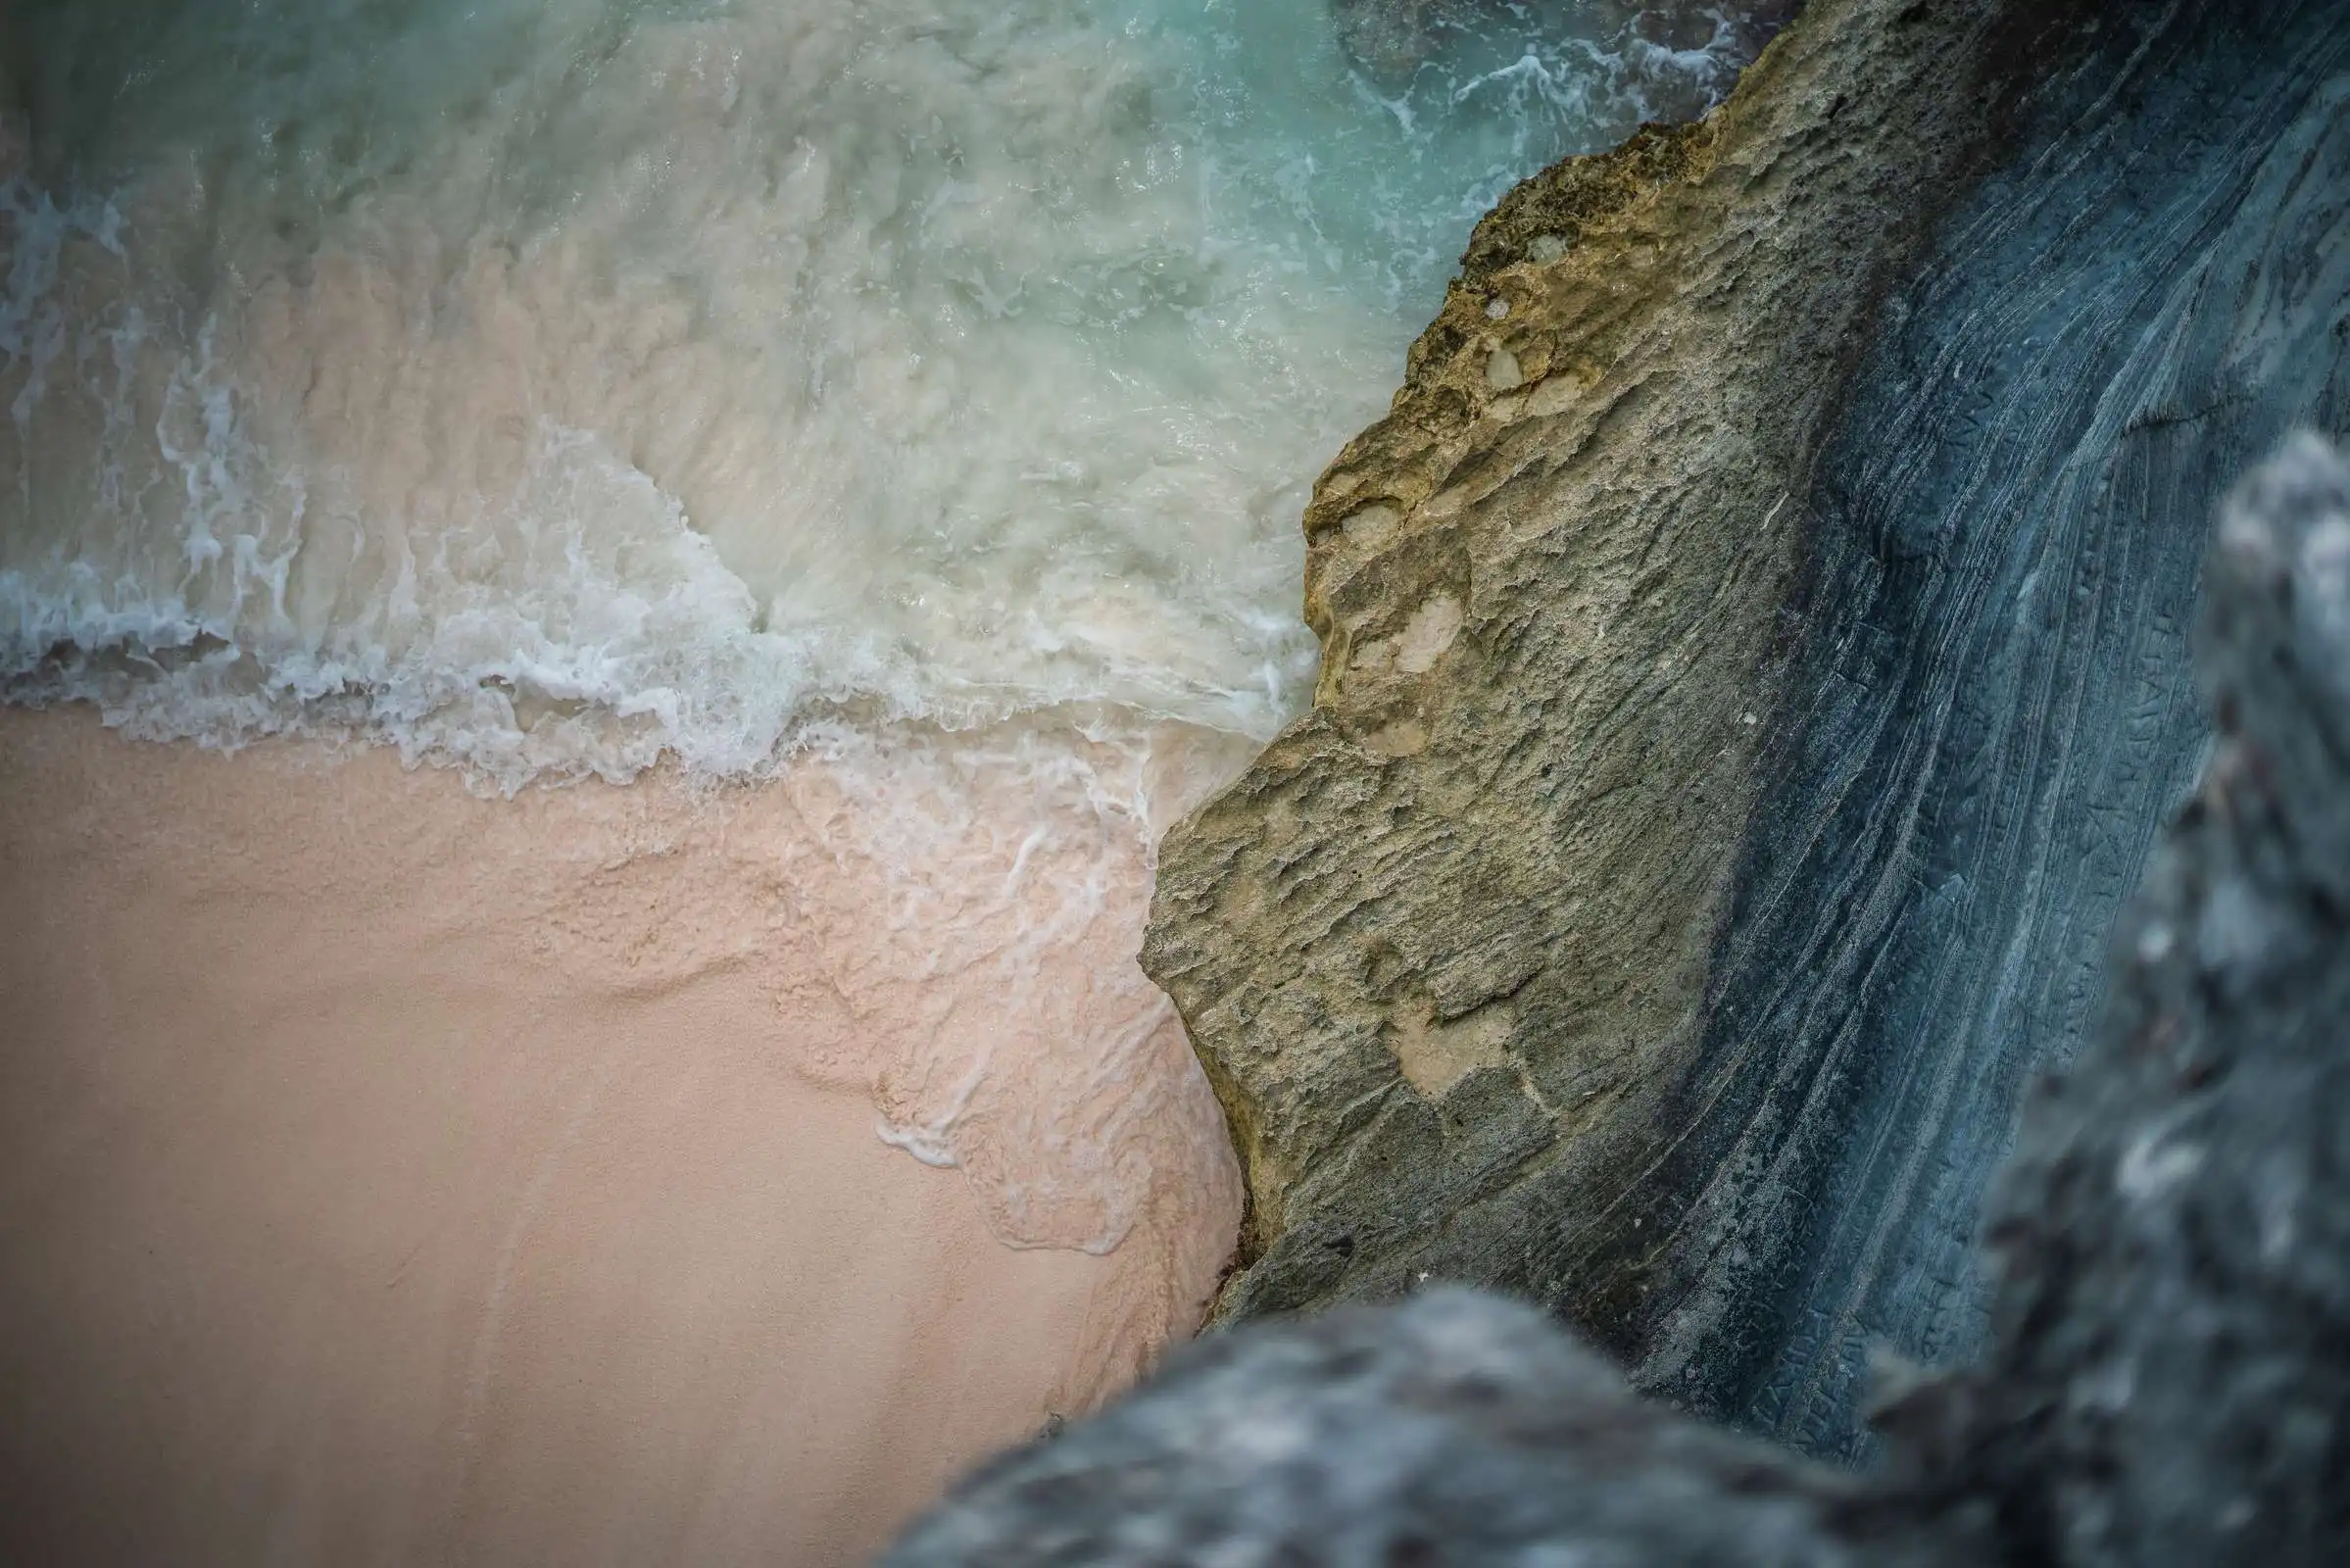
[{"x": 1753, "y": 673}]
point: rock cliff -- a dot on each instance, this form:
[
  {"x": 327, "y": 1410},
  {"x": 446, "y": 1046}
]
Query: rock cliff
[
  {"x": 2169, "y": 1382},
  {"x": 1753, "y": 671}
]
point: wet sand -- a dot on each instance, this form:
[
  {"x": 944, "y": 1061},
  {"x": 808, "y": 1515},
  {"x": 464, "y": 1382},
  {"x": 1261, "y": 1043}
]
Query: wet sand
[{"x": 390, "y": 1175}]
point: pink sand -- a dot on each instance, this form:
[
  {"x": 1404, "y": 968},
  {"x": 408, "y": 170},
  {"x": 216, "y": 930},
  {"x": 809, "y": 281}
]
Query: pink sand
[{"x": 391, "y": 1175}]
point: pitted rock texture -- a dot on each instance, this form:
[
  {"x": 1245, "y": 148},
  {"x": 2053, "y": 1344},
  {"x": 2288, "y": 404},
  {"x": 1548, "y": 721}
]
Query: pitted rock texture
[
  {"x": 2170, "y": 1382},
  {"x": 1442, "y": 946},
  {"x": 1752, "y": 672}
]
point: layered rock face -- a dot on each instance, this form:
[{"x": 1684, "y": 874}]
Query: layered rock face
[
  {"x": 2171, "y": 1376},
  {"x": 1991, "y": 711},
  {"x": 1753, "y": 672}
]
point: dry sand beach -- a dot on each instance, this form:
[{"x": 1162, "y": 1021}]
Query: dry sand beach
[{"x": 397, "y": 1175}]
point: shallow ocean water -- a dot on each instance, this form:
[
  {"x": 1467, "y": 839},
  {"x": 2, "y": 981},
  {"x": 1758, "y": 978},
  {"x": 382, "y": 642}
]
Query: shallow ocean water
[
  {"x": 921, "y": 390},
  {"x": 543, "y": 384}
]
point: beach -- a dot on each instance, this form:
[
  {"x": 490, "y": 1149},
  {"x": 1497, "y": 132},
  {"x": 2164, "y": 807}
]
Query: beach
[{"x": 396, "y": 1174}]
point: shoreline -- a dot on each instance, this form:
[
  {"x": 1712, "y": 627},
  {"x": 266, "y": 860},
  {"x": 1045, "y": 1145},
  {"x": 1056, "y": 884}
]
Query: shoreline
[{"x": 396, "y": 1173}]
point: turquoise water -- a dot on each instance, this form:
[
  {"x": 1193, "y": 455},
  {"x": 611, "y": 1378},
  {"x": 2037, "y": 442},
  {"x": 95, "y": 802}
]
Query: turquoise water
[{"x": 549, "y": 385}]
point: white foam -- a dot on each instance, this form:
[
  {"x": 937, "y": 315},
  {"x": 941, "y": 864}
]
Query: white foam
[{"x": 705, "y": 367}]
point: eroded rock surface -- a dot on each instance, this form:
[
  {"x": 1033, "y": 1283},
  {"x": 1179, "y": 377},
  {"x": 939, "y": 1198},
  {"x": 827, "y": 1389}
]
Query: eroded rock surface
[
  {"x": 1752, "y": 674},
  {"x": 2170, "y": 1379}
]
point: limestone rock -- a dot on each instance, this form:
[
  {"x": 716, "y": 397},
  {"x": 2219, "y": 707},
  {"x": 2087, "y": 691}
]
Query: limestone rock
[{"x": 1753, "y": 671}]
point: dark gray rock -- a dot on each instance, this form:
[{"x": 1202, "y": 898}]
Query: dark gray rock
[
  {"x": 1456, "y": 1429},
  {"x": 1991, "y": 712},
  {"x": 2171, "y": 1380}
]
